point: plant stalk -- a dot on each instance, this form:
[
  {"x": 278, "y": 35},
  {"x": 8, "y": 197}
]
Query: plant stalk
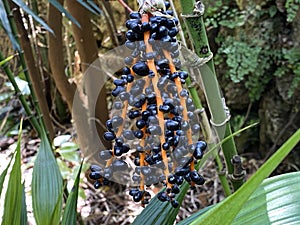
[
  {"x": 33, "y": 120},
  {"x": 31, "y": 72},
  {"x": 192, "y": 12}
]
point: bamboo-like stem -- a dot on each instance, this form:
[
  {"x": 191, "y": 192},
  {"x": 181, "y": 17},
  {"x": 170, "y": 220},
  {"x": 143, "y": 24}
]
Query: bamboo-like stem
[
  {"x": 33, "y": 120},
  {"x": 31, "y": 72},
  {"x": 197, "y": 32}
]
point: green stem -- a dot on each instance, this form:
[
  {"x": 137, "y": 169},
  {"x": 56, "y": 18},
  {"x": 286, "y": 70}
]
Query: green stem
[
  {"x": 34, "y": 94},
  {"x": 27, "y": 109},
  {"x": 222, "y": 176},
  {"x": 197, "y": 33}
]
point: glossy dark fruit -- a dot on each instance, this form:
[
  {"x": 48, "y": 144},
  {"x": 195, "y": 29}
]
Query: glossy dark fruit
[
  {"x": 162, "y": 196},
  {"x": 109, "y": 136},
  {"x": 180, "y": 132},
  {"x": 130, "y": 78},
  {"x": 162, "y": 31},
  {"x": 185, "y": 125},
  {"x": 109, "y": 125},
  {"x": 134, "y": 114},
  {"x": 146, "y": 170},
  {"x": 172, "y": 179},
  {"x": 117, "y": 91},
  {"x": 124, "y": 96},
  {"x": 105, "y": 154},
  {"x": 170, "y": 12},
  {"x": 131, "y": 36},
  {"x": 97, "y": 185},
  {"x": 166, "y": 39},
  {"x": 128, "y": 60},
  {"x": 172, "y": 125},
  {"x": 108, "y": 173},
  {"x": 133, "y": 191},
  {"x": 141, "y": 69},
  {"x": 140, "y": 123},
  {"x": 137, "y": 161},
  {"x": 138, "y": 134},
  {"x": 150, "y": 55},
  {"x": 135, "y": 15},
  {"x": 181, "y": 171},
  {"x": 166, "y": 146},
  {"x": 202, "y": 145},
  {"x": 95, "y": 168},
  {"x": 119, "y": 82},
  {"x": 119, "y": 141},
  {"x": 174, "y": 203},
  {"x": 173, "y": 32},
  {"x": 130, "y": 44},
  {"x": 184, "y": 93},
  {"x": 163, "y": 63},
  {"x": 164, "y": 108},
  {"x": 196, "y": 128},
  {"x": 167, "y": 4},
  {"x": 119, "y": 165},
  {"x": 95, "y": 175},
  {"x": 198, "y": 154},
  {"x": 136, "y": 178},
  {"x": 179, "y": 180},
  {"x": 126, "y": 148},
  {"x": 138, "y": 196},
  {"x": 197, "y": 178},
  {"x": 126, "y": 70},
  {"x": 118, "y": 151},
  {"x": 145, "y": 26}
]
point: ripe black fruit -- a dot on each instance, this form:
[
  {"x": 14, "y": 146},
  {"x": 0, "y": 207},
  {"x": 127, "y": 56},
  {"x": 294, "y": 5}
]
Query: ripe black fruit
[{"x": 141, "y": 68}]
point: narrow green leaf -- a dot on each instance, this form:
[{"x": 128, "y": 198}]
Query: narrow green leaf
[
  {"x": 3, "y": 175},
  {"x": 13, "y": 197},
  {"x": 24, "y": 7},
  {"x": 57, "y": 209},
  {"x": 6, "y": 26},
  {"x": 59, "y": 7},
  {"x": 70, "y": 212},
  {"x": 7, "y": 59},
  {"x": 46, "y": 185},
  {"x": 87, "y": 6},
  {"x": 220, "y": 214},
  {"x": 24, "y": 219},
  {"x": 275, "y": 201}
]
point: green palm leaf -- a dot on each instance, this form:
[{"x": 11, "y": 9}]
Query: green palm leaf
[
  {"x": 13, "y": 197},
  {"x": 47, "y": 186}
]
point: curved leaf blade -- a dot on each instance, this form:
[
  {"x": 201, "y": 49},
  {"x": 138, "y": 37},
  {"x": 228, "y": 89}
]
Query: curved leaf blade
[
  {"x": 275, "y": 201},
  {"x": 220, "y": 214},
  {"x": 59, "y": 7},
  {"x": 13, "y": 197},
  {"x": 24, "y": 218},
  {"x": 47, "y": 185},
  {"x": 70, "y": 213},
  {"x": 88, "y": 7}
]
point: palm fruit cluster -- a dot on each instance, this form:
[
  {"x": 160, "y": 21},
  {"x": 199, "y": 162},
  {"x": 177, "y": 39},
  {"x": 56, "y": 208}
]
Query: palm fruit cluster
[{"x": 155, "y": 120}]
